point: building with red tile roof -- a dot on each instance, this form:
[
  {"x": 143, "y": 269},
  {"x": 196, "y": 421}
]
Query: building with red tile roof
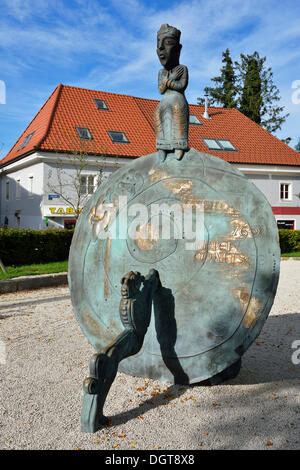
[{"x": 112, "y": 125}]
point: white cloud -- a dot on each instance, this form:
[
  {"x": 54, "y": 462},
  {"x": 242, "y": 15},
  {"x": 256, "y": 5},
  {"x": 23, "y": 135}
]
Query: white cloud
[{"x": 111, "y": 45}]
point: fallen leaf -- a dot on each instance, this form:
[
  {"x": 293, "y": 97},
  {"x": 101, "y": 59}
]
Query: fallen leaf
[{"x": 269, "y": 443}]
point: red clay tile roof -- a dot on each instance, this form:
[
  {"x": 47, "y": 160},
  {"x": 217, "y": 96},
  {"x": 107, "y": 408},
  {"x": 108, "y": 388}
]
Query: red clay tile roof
[{"x": 68, "y": 107}]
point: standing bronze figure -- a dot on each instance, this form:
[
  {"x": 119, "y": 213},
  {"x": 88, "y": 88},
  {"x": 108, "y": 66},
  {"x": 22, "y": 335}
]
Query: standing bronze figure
[{"x": 171, "y": 117}]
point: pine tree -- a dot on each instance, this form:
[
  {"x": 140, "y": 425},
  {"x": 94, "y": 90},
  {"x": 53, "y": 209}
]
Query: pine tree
[
  {"x": 224, "y": 93},
  {"x": 251, "y": 92},
  {"x": 248, "y": 86},
  {"x": 257, "y": 93}
]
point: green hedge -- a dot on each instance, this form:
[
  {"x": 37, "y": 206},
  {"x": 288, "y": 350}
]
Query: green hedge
[
  {"x": 21, "y": 247},
  {"x": 289, "y": 240}
]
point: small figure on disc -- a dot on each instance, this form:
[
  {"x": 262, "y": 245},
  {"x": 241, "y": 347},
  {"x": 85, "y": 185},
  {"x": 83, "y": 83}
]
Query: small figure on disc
[{"x": 171, "y": 117}]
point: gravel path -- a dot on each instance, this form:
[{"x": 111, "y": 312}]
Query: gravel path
[{"x": 47, "y": 361}]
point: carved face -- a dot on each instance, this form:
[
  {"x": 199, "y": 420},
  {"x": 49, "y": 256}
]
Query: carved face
[{"x": 168, "y": 51}]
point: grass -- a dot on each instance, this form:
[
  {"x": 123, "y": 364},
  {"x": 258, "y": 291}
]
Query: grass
[
  {"x": 34, "y": 269},
  {"x": 292, "y": 253},
  {"x": 62, "y": 266}
]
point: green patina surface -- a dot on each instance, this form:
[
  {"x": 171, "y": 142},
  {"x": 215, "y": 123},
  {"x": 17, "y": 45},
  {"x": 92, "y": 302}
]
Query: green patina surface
[{"x": 215, "y": 298}]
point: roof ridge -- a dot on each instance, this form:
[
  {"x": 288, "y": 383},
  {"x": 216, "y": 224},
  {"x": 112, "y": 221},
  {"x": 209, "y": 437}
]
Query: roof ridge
[{"x": 97, "y": 91}]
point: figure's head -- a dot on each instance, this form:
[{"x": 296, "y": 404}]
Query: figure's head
[{"x": 168, "y": 46}]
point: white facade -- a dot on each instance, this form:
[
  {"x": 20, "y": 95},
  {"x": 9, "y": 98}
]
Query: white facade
[
  {"x": 28, "y": 199},
  {"x": 28, "y": 189},
  {"x": 271, "y": 179}
]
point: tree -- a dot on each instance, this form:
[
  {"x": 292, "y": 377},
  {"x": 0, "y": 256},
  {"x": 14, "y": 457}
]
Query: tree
[
  {"x": 224, "y": 93},
  {"x": 251, "y": 92},
  {"x": 70, "y": 180},
  {"x": 258, "y": 96},
  {"x": 248, "y": 86},
  {"x": 297, "y": 146}
]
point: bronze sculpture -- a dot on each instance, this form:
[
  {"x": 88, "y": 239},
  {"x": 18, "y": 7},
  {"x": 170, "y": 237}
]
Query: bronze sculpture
[
  {"x": 171, "y": 117},
  {"x": 209, "y": 302}
]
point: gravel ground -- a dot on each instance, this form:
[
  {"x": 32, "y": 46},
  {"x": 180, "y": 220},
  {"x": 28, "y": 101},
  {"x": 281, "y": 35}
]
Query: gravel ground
[{"x": 47, "y": 361}]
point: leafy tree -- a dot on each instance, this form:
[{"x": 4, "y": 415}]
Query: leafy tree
[
  {"x": 224, "y": 93},
  {"x": 297, "y": 146}
]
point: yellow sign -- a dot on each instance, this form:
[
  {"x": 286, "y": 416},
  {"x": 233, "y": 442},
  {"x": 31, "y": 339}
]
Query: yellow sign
[{"x": 61, "y": 211}]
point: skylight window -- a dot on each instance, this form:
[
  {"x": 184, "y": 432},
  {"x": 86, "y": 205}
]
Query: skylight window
[
  {"x": 212, "y": 144},
  {"x": 226, "y": 144},
  {"x": 26, "y": 140},
  {"x": 100, "y": 104},
  {"x": 118, "y": 137},
  {"x": 219, "y": 144},
  {"x": 194, "y": 120},
  {"x": 84, "y": 133}
]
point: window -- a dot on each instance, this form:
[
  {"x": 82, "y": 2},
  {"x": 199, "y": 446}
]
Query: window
[
  {"x": 226, "y": 144},
  {"x": 87, "y": 184},
  {"x": 30, "y": 192},
  {"x": 7, "y": 190},
  {"x": 100, "y": 104},
  {"x": 212, "y": 144},
  {"x": 84, "y": 133},
  {"x": 18, "y": 188},
  {"x": 25, "y": 141},
  {"x": 194, "y": 120},
  {"x": 287, "y": 224},
  {"x": 285, "y": 191},
  {"x": 219, "y": 144},
  {"x": 119, "y": 137}
]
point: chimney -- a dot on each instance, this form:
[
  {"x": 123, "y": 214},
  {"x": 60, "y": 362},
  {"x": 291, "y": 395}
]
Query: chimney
[{"x": 206, "y": 115}]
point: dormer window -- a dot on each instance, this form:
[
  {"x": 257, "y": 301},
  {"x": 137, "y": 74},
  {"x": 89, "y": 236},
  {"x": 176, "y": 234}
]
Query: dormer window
[
  {"x": 100, "y": 104},
  {"x": 25, "y": 141},
  {"x": 84, "y": 133},
  {"x": 118, "y": 137},
  {"x": 194, "y": 120}
]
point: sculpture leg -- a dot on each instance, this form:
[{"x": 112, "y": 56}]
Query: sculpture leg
[{"x": 103, "y": 369}]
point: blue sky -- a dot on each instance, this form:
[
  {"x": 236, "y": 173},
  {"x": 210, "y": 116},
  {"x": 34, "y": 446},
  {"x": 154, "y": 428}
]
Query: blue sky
[{"x": 111, "y": 46}]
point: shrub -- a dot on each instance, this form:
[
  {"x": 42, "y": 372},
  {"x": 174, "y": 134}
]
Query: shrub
[
  {"x": 26, "y": 246},
  {"x": 289, "y": 240}
]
